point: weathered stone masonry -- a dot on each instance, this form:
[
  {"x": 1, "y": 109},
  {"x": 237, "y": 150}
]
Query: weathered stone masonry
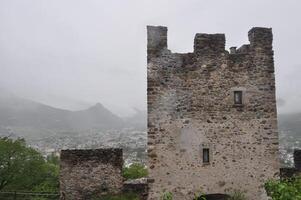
[
  {"x": 87, "y": 173},
  {"x": 191, "y": 109}
]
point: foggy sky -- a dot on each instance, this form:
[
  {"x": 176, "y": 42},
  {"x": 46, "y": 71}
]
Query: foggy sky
[{"x": 74, "y": 53}]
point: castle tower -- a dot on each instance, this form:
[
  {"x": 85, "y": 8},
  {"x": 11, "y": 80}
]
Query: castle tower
[{"x": 212, "y": 118}]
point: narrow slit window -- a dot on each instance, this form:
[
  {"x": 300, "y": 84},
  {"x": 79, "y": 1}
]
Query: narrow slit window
[
  {"x": 238, "y": 97},
  {"x": 206, "y": 155}
]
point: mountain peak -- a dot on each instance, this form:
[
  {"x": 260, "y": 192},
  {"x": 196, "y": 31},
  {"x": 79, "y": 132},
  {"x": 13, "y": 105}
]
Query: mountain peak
[{"x": 98, "y": 106}]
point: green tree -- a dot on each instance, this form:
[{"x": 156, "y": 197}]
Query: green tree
[
  {"x": 23, "y": 168},
  {"x": 134, "y": 171},
  {"x": 289, "y": 189},
  {"x": 50, "y": 182}
]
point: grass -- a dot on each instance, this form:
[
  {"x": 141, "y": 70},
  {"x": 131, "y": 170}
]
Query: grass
[{"x": 134, "y": 171}]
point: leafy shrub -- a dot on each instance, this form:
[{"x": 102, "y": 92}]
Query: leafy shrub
[
  {"x": 237, "y": 195},
  {"x": 289, "y": 189},
  {"x": 134, "y": 171},
  {"x": 199, "y": 195},
  {"x": 202, "y": 197},
  {"x": 167, "y": 196}
]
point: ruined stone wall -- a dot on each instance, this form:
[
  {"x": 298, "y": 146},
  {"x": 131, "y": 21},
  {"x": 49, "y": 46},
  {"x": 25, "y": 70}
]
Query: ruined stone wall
[
  {"x": 191, "y": 107},
  {"x": 292, "y": 171},
  {"x": 88, "y": 173},
  {"x": 137, "y": 186},
  {"x": 297, "y": 159}
]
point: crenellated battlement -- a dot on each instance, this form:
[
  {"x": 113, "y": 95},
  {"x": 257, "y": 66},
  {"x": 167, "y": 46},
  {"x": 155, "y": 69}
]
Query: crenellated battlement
[
  {"x": 206, "y": 44},
  {"x": 156, "y": 39},
  {"x": 209, "y": 43},
  {"x": 261, "y": 38}
]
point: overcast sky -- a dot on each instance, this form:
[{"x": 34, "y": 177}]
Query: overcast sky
[{"x": 74, "y": 53}]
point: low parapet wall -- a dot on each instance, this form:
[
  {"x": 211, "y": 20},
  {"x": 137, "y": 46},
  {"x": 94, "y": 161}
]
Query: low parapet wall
[
  {"x": 88, "y": 173},
  {"x": 138, "y": 186}
]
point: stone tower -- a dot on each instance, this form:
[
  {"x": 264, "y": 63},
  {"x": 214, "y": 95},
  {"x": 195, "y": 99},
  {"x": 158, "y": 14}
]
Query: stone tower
[{"x": 212, "y": 118}]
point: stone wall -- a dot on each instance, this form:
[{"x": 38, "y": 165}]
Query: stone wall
[
  {"x": 137, "y": 186},
  {"x": 293, "y": 171},
  {"x": 191, "y": 107},
  {"x": 88, "y": 173},
  {"x": 297, "y": 159}
]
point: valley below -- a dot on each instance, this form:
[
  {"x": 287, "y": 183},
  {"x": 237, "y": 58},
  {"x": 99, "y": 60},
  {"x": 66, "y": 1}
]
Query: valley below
[{"x": 50, "y": 129}]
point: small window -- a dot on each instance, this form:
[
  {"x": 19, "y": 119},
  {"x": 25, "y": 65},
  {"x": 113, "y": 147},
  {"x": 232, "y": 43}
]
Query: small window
[
  {"x": 206, "y": 155},
  {"x": 238, "y": 97}
]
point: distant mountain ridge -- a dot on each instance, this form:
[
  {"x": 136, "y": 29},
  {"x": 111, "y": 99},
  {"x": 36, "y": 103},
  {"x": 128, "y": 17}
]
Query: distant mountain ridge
[
  {"x": 23, "y": 113},
  {"x": 291, "y": 124}
]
